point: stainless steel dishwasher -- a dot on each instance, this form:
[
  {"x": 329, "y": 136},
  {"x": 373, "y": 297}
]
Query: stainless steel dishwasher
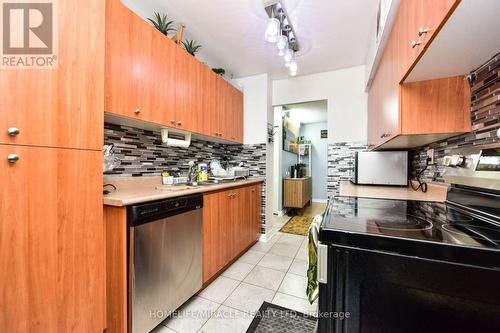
[{"x": 165, "y": 261}]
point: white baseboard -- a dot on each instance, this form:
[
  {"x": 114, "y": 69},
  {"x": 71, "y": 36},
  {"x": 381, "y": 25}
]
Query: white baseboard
[
  {"x": 280, "y": 213},
  {"x": 320, "y": 200}
]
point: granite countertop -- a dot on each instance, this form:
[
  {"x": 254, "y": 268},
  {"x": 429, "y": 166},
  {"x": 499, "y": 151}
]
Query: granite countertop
[
  {"x": 435, "y": 192},
  {"x": 136, "y": 190}
]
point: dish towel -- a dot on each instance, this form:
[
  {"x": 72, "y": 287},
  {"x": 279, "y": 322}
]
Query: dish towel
[{"x": 312, "y": 289}]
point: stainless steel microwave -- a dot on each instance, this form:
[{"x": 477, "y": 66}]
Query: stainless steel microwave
[{"x": 381, "y": 168}]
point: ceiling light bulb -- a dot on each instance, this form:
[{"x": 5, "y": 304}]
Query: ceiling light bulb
[
  {"x": 272, "y": 30},
  {"x": 293, "y": 66},
  {"x": 288, "y": 56},
  {"x": 282, "y": 42}
]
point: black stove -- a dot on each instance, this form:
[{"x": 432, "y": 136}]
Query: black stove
[{"x": 389, "y": 259}]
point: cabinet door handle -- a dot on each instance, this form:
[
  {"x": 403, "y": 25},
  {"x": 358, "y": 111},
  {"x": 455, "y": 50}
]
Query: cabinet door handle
[
  {"x": 385, "y": 135},
  {"x": 422, "y": 31},
  {"x": 220, "y": 134},
  {"x": 13, "y": 131},
  {"x": 172, "y": 121},
  {"x": 13, "y": 158},
  {"x": 415, "y": 43},
  {"x": 137, "y": 111},
  {"x": 179, "y": 123}
]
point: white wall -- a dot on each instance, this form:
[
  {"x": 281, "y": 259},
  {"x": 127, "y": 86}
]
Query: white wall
[
  {"x": 347, "y": 100},
  {"x": 256, "y": 94},
  {"x": 319, "y": 158},
  {"x": 257, "y": 113}
]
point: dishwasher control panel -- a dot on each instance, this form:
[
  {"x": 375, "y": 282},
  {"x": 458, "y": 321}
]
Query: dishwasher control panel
[{"x": 147, "y": 212}]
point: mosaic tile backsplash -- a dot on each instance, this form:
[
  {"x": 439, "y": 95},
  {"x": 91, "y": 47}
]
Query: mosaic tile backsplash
[
  {"x": 485, "y": 117},
  {"x": 341, "y": 163},
  {"x": 142, "y": 153}
]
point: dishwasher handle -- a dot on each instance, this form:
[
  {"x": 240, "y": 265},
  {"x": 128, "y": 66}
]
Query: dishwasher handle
[{"x": 153, "y": 211}]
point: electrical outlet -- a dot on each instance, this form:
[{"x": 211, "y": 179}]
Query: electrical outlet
[{"x": 430, "y": 154}]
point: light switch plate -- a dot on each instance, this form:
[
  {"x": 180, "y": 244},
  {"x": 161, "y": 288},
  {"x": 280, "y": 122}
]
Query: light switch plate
[{"x": 430, "y": 153}]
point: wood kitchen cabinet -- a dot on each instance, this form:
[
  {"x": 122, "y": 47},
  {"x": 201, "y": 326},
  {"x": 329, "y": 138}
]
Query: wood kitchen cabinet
[
  {"x": 150, "y": 78},
  {"x": 405, "y": 115},
  {"x": 139, "y": 71},
  {"x": 417, "y": 23},
  {"x": 52, "y": 273},
  {"x": 297, "y": 192},
  {"x": 57, "y": 107},
  {"x": 188, "y": 92},
  {"x": 231, "y": 223}
]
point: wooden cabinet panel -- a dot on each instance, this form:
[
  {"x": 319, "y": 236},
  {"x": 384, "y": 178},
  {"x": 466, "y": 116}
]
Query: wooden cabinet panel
[
  {"x": 60, "y": 107},
  {"x": 237, "y": 111},
  {"x": 52, "y": 241},
  {"x": 436, "y": 106},
  {"x": 224, "y": 105},
  {"x": 297, "y": 192},
  {"x": 209, "y": 107},
  {"x": 188, "y": 92},
  {"x": 125, "y": 61},
  {"x": 231, "y": 223},
  {"x": 140, "y": 63},
  {"x": 150, "y": 78},
  {"x": 115, "y": 220},
  {"x": 432, "y": 15},
  {"x": 214, "y": 236},
  {"x": 413, "y": 16},
  {"x": 420, "y": 108}
]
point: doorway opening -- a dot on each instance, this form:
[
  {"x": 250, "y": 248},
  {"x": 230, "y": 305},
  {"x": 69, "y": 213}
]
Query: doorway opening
[{"x": 300, "y": 166}]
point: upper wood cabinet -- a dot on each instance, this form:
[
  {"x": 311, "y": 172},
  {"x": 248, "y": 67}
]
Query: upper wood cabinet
[
  {"x": 60, "y": 107},
  {"x": 150, "y": 78},
  {"x": 139, "y": 71},
  {"x": 52, "y": 241},
  {"x": 406, "y": 115},
  {"x": 417, "y": 23}
]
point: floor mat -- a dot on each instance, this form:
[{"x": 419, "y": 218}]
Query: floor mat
[
  {"x": 273, "y": 318},
  {"x": 298, "y": 225}
]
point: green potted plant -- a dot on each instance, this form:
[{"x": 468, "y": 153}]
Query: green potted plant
[
  {"x": 161, "y": 23},
  {"x": 191, "y": 46},
  {"x": 220, "y": 71}
]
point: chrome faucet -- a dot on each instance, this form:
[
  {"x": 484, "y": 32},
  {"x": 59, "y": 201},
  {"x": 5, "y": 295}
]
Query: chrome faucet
[{"x": 192, "y": 173}]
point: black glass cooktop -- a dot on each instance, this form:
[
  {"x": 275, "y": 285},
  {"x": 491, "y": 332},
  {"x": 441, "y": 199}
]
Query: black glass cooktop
[{"x": 410, "y": 227}]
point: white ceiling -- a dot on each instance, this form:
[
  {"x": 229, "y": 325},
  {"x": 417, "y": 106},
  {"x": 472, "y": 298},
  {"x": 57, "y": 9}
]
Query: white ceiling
[
  {"x": 307, "y": 113},
  {"x": 333, "y": 34}
]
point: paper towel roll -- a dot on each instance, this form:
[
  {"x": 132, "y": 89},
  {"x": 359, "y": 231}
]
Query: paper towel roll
[{"x": 178, "y": 143}]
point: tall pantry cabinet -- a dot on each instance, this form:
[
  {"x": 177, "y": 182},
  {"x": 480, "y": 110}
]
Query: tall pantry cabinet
[{"x": 52, "y": 250}]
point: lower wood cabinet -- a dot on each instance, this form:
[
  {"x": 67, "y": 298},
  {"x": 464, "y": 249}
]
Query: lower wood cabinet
[
  {"x": 297, "y": 192},
  {"x": 231, "y": 223},
  {"x": 52, "y": 243}
]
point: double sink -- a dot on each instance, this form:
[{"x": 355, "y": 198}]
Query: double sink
[{"x": 190, "y": 186}]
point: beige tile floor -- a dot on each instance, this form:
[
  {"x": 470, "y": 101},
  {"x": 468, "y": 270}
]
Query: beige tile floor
[{"x": 273, "y": 271}]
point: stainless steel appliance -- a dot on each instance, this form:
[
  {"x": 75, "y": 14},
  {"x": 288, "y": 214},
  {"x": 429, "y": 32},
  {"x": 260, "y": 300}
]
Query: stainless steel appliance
[
  {"x": 381, "y": 168},
  {"x": 414, "y": 266},
  {"x": 165, "y": 258}
]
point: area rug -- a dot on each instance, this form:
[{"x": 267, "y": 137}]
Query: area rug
[
  {"x": 273, "y": 318},
  {"x": 298, "y": 225}
]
